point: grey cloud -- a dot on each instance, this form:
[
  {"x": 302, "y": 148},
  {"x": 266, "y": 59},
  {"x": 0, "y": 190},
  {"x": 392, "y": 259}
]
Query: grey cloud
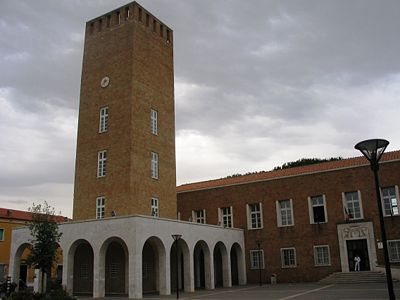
[{"x": 258, "y": 83}]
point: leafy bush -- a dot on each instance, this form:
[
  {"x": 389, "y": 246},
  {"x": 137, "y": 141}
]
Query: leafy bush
[{"x": 59, "y": 294}]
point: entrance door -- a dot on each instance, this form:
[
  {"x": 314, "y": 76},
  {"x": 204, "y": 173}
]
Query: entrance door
[
  {"x": 23, "y": 275},
  {"x": 360, "y": 248}
]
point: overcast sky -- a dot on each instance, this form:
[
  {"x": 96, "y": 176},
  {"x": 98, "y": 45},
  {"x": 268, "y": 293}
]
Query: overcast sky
[{"x": 257, "y": 84}]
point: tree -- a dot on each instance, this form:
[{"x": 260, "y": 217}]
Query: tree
[
  {"x": 305, "y": 162},
  {"x": 45, "y": 238}
]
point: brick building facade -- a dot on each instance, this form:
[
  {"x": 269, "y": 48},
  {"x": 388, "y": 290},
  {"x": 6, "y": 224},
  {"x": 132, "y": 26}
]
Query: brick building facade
[{"x": 311, "y": 221}]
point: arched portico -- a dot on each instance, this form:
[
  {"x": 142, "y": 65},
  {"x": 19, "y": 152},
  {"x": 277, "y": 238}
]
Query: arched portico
[
  {"x": 154, "y": 267},
  {"x": 20, "y": 270},
  {"x": 79, "y": 268},
  {"x": 238, "y": 268},
  {"x": 203, "y": 266},
  {"x": 113, "y": 269},
  {"x": 94, "y": 250},
  {"x": 222, "y": 267},
  {"x": 185, "y": 267}
]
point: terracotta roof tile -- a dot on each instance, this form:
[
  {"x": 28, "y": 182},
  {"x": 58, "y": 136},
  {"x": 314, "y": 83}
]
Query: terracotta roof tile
[
  {"x": 23, "y": 215},
  {"x": 303, "y": 170}
]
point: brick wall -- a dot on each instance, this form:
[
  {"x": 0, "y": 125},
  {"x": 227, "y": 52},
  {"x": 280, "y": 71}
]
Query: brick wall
[
  {"x": 138, "y": 59},
  {"x": 303, "y": 235}
]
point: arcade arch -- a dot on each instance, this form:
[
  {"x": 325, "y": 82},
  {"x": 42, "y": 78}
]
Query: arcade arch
[{"x": 153, "y": 266}]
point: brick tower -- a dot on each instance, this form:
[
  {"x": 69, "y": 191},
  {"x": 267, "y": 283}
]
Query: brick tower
[{"x": 125, "y": 158}]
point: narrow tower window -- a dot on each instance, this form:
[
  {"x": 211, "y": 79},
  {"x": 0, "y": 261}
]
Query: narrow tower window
[
  {"x": 154, "y": 25},
  {"x": 147, "y": 20},
  {"x": 126, "y": 13},
  {"x": 154, "y": 116},
  {"x": 154, "y": 207},
  {"x": 154, "y": 165},
  {"x": 108, "y": 20},
  {"x": 168, "y": 35},
  {"x": 161, "y": 30},
  {"x": 101, "y": 163},
  {"x": 140, "y": 14},
  {"x": 100, "y": 207},
  {"x": 118, "y": 16},
  {"x": 103, "y": 124},
  {"x": 91, "y": 28},
  {"x": 100, "y": 24}
]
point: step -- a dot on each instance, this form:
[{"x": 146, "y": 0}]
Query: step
[{"x": 355, "y": 277}]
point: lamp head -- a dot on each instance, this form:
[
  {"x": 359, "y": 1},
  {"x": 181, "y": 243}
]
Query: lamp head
[
  {"x": 176, "y": 236},
  {"x": 372, "y": 149}
]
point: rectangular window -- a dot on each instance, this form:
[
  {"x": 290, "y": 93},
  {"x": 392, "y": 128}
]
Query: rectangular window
[
  {"x": 103, "y": 124},
  {"x": 1, "y": 234},
  {"x": 154, "y": 115},
  {"x": 199, "y": 216},
  {"x": 140, "y": 14},
  {"x": 127, "y": 13},
  {"x": 147, "y": 20},
  {"x": 118, "y": 18},
  {"x": 2, "y": 271},
  {"x": 154, "y": 207},
  {"x": 100, "y": 207},
  {"x": 352, "y": 205},
  {"x": 225, "y": 216},
  {"x": 254, "y": 216},
  {"x": 394, "y": 250},
  {"x": 322, "y": 255},
  {"x": 288, "y": 257},
  {"x": 168, "y": 35},
  {"x": 108, "y": 20},
  {"x": 317, "y": 209},
  {"x": 257, "y": 259},
  {"x": 101, "y": 163},
  {"x": 390, "y": 201},
  {"x": 154, "y": 165},
  {"x": 285, "y": 213}
]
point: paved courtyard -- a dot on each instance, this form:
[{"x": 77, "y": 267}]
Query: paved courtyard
[{"x": 308, "y": 291}]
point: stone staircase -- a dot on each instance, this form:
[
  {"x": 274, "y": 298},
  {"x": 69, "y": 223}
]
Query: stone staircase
[{"x": 354, "y": 277}]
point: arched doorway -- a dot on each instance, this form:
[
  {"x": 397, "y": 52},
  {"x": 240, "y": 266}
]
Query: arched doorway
[
  {"x": 234, "y": 265},
  {"x": 183, "y": 266},
  {"x": 218, "y": 272},
  {"x": 237, "y": 267},
  {"x": 221, "y": 266},
  {"x": 201, "y": 258},
  {"x": 116, "y": 269},
  {"x": 153, "y": 265},
  {"x": 22, "y": 274},
  {"x": 83, "y": 269}
]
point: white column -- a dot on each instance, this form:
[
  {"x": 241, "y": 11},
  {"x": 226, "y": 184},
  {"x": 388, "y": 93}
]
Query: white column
[
  {"x": 98, "y": 274},
  {"x": 68, "y": 271},
  {"x": 226, "y": 268},
  {"x": 164, "y": 273},
  {"x": 209, "y": 270},
  {"x": 135, "y": 274},
  {"x": 241, "y": 267},
  {"x": 188, "y": 265}
]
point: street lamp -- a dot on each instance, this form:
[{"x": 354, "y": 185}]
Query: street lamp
[
  {"x": 373, "y": 150},
  {"x": 258, "y": 242},
  {"x": 176, "y": 238}
]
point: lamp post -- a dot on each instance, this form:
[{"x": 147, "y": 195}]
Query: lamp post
[
  {"x": 258, "y": 242},
  {"x": 373, "y": 150},
  {"x": 176, "y": 238}
]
